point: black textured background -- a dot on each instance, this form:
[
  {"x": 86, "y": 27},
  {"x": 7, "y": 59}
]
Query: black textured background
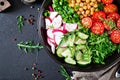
[{"x": 12, "y": 60}]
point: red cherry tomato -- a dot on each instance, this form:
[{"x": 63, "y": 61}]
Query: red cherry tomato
[
  {"x": 110, "y": 8},
  {"x": 97, "y": 28},
  {"x": 115, "y": 36},
  {"x": 87, "y": 22},
  {"x": 107, "y": 1},
  {"x": 99, "y": 14},
  {"x": 107, "y": 27},
  {"x": 118, "y": 23},
  {"x": 114, "y": 16}
]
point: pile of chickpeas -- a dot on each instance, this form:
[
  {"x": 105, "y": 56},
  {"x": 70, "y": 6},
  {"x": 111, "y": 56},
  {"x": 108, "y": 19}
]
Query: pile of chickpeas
[{"x": 85, "y": 7}]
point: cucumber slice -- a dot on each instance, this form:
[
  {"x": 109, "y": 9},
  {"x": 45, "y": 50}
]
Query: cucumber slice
[
  {"x": 70, "y": 60},
  {"x": 71, "y": 39},
  {"x": 79, "y": 41},
  {"x": 82, "y": 62},
  {"x": 78, "y": 55},
  {"x": 59, "y": 51},
  {"x": 80, "y": 47},
  {"x": 82, "y": 35},
  {"x": 66, "y": 53}
]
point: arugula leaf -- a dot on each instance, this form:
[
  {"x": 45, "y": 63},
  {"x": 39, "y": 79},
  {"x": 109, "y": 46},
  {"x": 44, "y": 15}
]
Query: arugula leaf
[
  {"x": 20, "y": 22},
  {"x": 100, "y": 7},
  {"x": 28, "y": 45},
  {"x": 64, "y": 73}
]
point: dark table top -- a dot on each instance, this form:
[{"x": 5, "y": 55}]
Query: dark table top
[{"x": 12, "y": 60}]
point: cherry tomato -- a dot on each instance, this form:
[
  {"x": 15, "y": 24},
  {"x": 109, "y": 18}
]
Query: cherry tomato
[
  {"x": 87, "y": 22},
  {"x": 97, "y": 28},
  {"x": 99, "y": 14},
  {"x": 110, "y": 8},
  {"x": 114, "y": 16},
  {"x": 107, "y": 1},
  {"x": 118, "y": 23},
  {"x": 115, "y": 36}
]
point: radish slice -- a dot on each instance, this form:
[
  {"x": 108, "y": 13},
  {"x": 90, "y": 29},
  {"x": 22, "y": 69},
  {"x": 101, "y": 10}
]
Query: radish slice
[
  {"x": 51, "y": 45},
  {"x": 53, "y": 15},
  {"x": 50, "y": 33},
  {"x": 70, "y": 27},
  {"x": 58, "y": 35},
  {"x": 57, "y": 22},
  {"x": 48, "y": 22},
  {"x": 57, "y": 39},
  {"x": 58, "y": 32},
  {"x": 50, "y": 8}
]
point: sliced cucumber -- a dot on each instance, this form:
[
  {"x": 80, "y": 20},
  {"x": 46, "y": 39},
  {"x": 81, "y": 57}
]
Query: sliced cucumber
[
  {"x": 66, "y": 53},
  {"x": 70, "y": 60},
  {"x": 79, "y": 41},
  {"x": 71, "y": 39},
  {"x": 82, "y": 35},
  {"x": 82, "y": 62},
  {"x": 59, "y": 51},
  {"x": 80, "y": 47},
  {"x": 78, "y": 55}
]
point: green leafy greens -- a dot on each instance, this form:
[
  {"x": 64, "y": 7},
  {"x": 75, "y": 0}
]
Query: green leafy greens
[
  {"x": 64, "y": 73},
  {"x": 67, "y": 13},
  {"x": 20, "y": 22},
  {"x": 29, "y": 45}
]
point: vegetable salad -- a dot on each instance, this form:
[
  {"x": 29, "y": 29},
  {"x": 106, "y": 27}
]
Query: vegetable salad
[{"x": 83, "y": 31}]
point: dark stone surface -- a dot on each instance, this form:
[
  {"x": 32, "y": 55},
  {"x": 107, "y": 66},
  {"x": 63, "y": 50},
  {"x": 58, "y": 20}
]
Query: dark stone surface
[{"x": 12, "y": 60}]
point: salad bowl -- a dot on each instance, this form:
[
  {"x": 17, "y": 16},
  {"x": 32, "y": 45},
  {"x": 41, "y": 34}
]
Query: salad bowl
[{"x": 109, "y": 61}]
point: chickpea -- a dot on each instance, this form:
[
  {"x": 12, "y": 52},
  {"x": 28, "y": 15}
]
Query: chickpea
[
  {"x": 83, "y": 12},
  {"x": 81, "y": 9},
  {"x": 98, "y": 0},
  {"x": 92, "y": 9},
  {"x": 93, "y": 0},
  {"x": 71, "y": 5},
  {"x": 91, "y": 4},
  {"x": 84, "y": 7},
  {"x": 91, "y": 13},
  {"x": 81, "y": 16},
  {"x": 81, "y": 4},
  {"x": 95, "y": 5},
  {"x": 87, "y": 1},
  {"x": 83, "y": 0},
  {"x": 85, "y": 15},
  {"x": 78, "y": 12},
  {"x": 76, "y": 4},
  {"x": 73, "y": 1},
  {"x": 88, "y": 6},
  {"x": 87, "y": 12},
  {"x": 78, "y": 1}
]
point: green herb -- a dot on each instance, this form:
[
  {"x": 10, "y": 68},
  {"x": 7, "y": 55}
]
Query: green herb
[
  {"x": 20, "y": 22},
  {"x": 101, "y": 47},
  {"x": 64, "y": 73},
  {"x": 77, "y": 7},
  {"x": 67, "y": 13},
  {"x": 29, "y": 45},
  {"x": 46, "y": 13},
  {"x": 100, "y": 7}
]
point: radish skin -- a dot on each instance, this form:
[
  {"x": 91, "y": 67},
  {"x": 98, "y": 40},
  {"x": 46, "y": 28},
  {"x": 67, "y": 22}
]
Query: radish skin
[
  {"x": 48, "y": 22},
  {"x": 57, "y": 22}
]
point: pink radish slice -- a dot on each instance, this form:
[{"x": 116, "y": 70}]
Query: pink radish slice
[
  {"x": 70, "y": 27},
  {"x": 57, "y": 39},
  {"x": 64, "y": 29},
  {"x": 58, "y": 32},
  {"x": 51, "y": 45},
  {"x": 53, "y": 15},
  {"x": 50, "y": 8},
  {"x": 48, "y": 22},
  {"x": 51, "y": 40},
  {"x": 57, "y": 22},
  {"x": 50, "y": 33}
]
